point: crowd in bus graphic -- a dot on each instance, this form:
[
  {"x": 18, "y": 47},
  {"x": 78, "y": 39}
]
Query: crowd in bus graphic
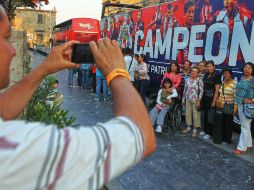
[{"x": 219, "y": 30}]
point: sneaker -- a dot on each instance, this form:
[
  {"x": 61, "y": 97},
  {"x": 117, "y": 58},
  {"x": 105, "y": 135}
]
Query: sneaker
[
  {"x": 202, "y": 133},
  {"x": 96, "y": 99},
  {"x": 206, "y": 137},
  {"x": 187, "y": 130},
  {"x": 194, "y": 134},
  {"x": 158, "y": 129},
  {"x": 224, "y": 143}
]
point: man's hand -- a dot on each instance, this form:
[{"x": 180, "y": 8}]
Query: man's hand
[
  {"x": 198, "y": 104},
  {"x": 58, "y": 59},
  {"x": 107, "y": 55},
  {"x": 127, "y": 102},
  {"x": 213, "y": 104}
]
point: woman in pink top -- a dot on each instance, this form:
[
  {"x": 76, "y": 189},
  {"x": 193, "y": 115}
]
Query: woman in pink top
[{"x": 174, "y": 75}]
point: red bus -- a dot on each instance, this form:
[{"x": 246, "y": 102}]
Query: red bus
[{"x": 80, "y": 29}]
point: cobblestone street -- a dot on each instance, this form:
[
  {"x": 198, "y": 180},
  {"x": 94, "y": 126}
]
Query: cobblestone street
[{"x": 180, "y": 161}]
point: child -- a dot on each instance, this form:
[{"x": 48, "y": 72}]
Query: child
[
  {"x": 164, "y": 103},
  {"x": 55, "y": 97}
]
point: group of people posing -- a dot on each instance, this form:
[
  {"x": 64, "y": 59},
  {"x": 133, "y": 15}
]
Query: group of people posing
[{"x": 204, "y": 94}]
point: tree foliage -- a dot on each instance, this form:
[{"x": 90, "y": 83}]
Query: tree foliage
[{"x": 39, "y": 110}]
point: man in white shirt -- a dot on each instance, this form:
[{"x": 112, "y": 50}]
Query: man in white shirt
[
  {"x": 37, "y": 156},
  {"x": 130, "y": 63}
]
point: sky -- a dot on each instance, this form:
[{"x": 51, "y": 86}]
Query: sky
[{"x": 67, "y": 9}]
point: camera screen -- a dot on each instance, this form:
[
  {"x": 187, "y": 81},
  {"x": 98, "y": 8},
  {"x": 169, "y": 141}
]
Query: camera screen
[{"x": 81, "y": 53}]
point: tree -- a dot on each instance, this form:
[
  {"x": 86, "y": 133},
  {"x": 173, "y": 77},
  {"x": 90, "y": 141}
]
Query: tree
[{"x": 11, "y": 5}]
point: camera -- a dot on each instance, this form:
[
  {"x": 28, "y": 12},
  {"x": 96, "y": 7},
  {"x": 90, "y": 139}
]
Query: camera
[{"x": 81, "y": 54}]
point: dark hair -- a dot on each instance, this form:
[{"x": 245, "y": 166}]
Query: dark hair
[
  {"x": 188, "y": 5},
  {"x": 106, "y": 20},
  {"x": 136, "y": 55},
  {"x": 56, "y": 81},
  {"x": 169, "y": 6},
  {"x": 195, "y": 67},
  {"x": 1, "y": 10},
  {"x": 144, "y": 57},
  {"x": 188, "y": 62},
  {"x": 167, "y": 80},
  {"x": 201, "y": 62},
  {"x": 174, "y": 63},
  {"x": 128, "y": 51},
  {"x": 210, "y": 62},
  {"x": 252, "y": 66},
  {"x": 227, "y": 69}
]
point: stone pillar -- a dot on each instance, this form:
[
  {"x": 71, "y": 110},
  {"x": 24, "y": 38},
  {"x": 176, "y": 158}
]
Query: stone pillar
[{"x": 18, "y": 66}]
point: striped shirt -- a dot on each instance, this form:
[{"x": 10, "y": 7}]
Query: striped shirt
[
  {"x": 35, "y": 156},
  {"x": 229, "y": 93}
]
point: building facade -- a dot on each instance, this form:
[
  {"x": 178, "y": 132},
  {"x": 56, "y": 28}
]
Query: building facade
[{"x": 37, "y": 24}]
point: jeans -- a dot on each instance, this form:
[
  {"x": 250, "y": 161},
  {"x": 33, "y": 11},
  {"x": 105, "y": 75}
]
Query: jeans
[
  {"x": 70, "y": 76},
  {"x": 101, "y": 81},
  {"x": 143, "y": 86},
  {"x": 79, "y": 79},
  {"x": 85, "y": 79},
  {"x": 245, "y": 136},
  {"x": 159, "y": 115}
]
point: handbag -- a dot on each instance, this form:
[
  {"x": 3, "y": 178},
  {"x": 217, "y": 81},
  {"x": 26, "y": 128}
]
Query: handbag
[
  {"x": 200, "y": 108},
  {"x": 227, "y": 108},
  {"x": 248, "y": 110}
]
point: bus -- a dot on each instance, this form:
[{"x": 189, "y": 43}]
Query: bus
[
  {"x": 80, "y": 29},
  {"x": 180, "y": 30}
]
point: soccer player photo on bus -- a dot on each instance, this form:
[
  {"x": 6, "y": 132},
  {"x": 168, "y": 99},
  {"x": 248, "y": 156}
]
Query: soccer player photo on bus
[
  {"x": 138, "y": 25},
  {"x": 206, "y": 14},
  {"x": 104, "y": 31},
  {"x": 231, "y": 14},
  {"x": 156, "y": 20},
  {"x": 168, "y": 21},
  {"x": 113, "y": 32},
  {"x": 126, "y": 25},
  {"x": 189, "y": 13}
]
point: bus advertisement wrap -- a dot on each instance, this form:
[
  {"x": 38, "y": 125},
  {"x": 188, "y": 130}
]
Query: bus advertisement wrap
[{"x": 198, "y": 30}]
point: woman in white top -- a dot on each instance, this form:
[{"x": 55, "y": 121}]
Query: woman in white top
[{"x": 130, "y": 63}]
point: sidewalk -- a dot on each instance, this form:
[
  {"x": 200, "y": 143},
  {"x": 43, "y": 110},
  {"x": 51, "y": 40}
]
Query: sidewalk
[{"x": 230, "y": 147}]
